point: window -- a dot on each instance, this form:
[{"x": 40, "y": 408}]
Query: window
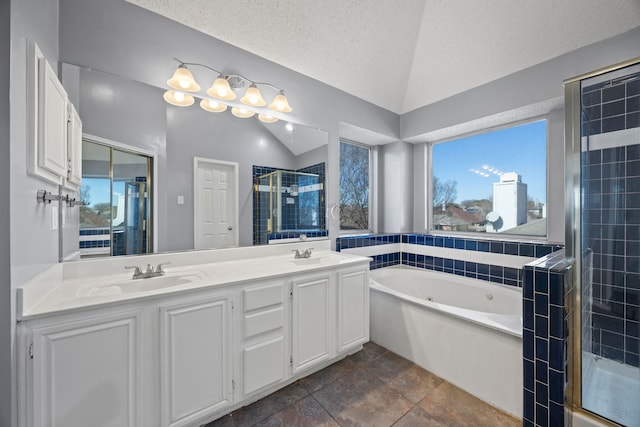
[
  {"x": 495, "y": 182},
  {"x": 355, "y": 179}
]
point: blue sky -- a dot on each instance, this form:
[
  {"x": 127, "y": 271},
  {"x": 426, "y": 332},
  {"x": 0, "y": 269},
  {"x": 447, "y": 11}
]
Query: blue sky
[
  {"x": 475, "y": 161},
  {"x": 100, "y": 189}
]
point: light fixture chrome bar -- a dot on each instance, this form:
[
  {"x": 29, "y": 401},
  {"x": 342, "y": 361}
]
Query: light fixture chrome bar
[{"x": 227, "y": 75}]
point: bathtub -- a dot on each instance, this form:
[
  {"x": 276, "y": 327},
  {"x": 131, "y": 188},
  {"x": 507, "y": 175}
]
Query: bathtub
[{"x": 467, "y": 331}]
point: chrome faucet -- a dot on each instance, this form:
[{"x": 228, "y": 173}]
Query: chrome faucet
[
  {"x": 149, "y": 272},
  {"x": 304, "y": 254}
]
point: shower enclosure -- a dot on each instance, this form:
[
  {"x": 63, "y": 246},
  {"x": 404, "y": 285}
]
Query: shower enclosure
[
  {"x": 603, "y": 236},
  {"x": 287, "y": 203}
]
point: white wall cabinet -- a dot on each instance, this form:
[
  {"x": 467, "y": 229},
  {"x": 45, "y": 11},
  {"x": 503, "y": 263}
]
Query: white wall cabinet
[
  {"x": 74, "y": 149},
  {"x": 55, "y": 129},
  {"x": 186, "y": 359},
  {"x": 84, "y": 369},
  {"x": 195, "y": 358}
]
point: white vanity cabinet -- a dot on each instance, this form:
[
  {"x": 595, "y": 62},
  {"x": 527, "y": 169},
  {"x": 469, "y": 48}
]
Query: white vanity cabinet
[
  {"x": 353, "y": 309},
  {"x": 84, "y": 367},
  {"x": 186, "y": 357},
  {"x": 195, "y": 357},
  {"x": 263, "y": 335},
  {"x": 311, "y": 322}
]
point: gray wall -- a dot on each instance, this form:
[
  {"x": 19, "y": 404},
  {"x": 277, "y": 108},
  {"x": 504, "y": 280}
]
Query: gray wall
[
  {"x": 33, "y": 245},
  {"x": 6, "y": 323},
  {"x": 396, "y": 183},
  {"x": 123, "y": 39},
  {"x": 197, "y": 133},
  {"x": 530, "y": 91}
]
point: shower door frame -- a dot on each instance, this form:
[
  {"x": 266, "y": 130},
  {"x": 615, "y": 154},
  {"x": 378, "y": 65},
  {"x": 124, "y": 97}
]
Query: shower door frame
[{"x": 573, "y": 231}]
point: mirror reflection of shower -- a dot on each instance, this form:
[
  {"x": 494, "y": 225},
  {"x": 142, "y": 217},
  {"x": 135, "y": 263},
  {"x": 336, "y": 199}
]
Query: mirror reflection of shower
[{"x": 288, "y": 204}]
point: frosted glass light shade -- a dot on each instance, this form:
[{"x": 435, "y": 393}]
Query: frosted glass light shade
[
  {"x": 212, "y": 106},
  {"x": 265, "y": 118},
  {"x": 178, "y": 99},
  {"x": 220, "y": 89},
  {"x": 242, "y": 113},
  {"x": 253, "y": 97},
  {"x": 183, "y": 80},
  {"x": 280, "y": 103}
]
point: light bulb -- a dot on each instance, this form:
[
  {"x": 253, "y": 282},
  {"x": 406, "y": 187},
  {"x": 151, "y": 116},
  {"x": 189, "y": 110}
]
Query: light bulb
[
  {"x": 179, "y": 96},
  {"x": 253, "y": 97},
  {"x": 280, "y": 103},
  {"x": 184, "y": 84}
]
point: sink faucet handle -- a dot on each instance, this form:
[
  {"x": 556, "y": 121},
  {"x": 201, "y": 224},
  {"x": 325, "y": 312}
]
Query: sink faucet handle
[
  {"x": 137, "y": 271},
  {"x": 159, "y": 270},
  {"x": 307, "y": 252},
  {"x": 298, "y": 254}
]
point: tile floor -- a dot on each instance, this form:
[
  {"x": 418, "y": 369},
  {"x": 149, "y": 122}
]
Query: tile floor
[{"x": 373, "y": 387}]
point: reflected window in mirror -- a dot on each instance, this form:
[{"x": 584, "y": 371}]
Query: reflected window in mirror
[
  {"x": 355, "y": 181},
  {"x": 116, "y": 187}
]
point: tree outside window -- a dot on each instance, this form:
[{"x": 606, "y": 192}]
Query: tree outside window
[{"x": 354, "y": 186}]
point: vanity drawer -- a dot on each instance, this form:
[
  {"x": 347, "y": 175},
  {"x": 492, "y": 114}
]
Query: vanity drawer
[
  {"x": 263, "y": 321},
  {"x": 263, "y": 296}
]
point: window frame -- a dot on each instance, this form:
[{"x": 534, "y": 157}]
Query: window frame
[
  {"x": 428, "y": 161},
  {"x": 372, "y": 203}
]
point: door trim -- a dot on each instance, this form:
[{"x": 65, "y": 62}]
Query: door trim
[{"x": 236, "y": 202}]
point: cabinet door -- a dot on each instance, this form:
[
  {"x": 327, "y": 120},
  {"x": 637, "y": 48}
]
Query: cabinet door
[
  {"x": 353, "y": 309},
  {"x": 52, "y": 127},
  {"x": 74, "y": 149},
  {"x": 195, "y": 358},
  {"x": 311, "y": 322},
  {"x": 88, "y": 373}
]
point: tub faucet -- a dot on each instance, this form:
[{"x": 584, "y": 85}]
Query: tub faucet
[{"x": 305, "y": 254}]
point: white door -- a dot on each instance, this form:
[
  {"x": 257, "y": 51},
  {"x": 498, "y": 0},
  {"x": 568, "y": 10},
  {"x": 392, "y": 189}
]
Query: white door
[{"x": 215, "y": 204}]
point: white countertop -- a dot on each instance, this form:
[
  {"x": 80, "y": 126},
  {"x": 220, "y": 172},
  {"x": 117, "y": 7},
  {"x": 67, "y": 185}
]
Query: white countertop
[{"x": 70, "y": 287}]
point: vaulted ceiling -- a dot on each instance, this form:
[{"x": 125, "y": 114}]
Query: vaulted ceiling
[{"x": 404, "y": 54}]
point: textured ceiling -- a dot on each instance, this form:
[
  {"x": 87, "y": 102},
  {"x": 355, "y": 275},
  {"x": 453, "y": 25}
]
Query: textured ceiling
[{"x": 404, "y": 54}]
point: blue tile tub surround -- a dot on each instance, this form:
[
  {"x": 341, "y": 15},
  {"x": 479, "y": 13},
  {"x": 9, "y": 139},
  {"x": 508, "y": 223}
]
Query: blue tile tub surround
[
  {"x": 296, "y": 234},
  {"x": 493, "y": 273},
  {"x": 547, "y": 286}
]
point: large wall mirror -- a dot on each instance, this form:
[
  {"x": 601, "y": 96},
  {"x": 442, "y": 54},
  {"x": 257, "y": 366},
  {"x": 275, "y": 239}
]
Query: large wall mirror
[{"x": 133, "y": 117}]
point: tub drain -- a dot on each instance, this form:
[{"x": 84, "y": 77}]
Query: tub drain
[{"x": 489, "y": 297}]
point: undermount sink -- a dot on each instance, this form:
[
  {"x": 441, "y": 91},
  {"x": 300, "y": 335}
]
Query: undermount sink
[
  {"x": 307, "y": 261},
  {"x": 139, "y": 285}
]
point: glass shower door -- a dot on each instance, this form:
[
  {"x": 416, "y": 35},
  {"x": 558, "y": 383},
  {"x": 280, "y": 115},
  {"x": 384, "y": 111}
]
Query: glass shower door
[{"x": 610, "y": 239}]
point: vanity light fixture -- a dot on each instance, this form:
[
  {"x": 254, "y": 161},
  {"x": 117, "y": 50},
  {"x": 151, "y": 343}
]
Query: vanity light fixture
[
  {"x": 178, "y": 98},
  {"x": 242, "y": 112},
  {"x": 265, "y": 118},
  {"x": 223, "y": 88},
  {"x": 183, "y": 80},
  {"x": 213, "y": 106}
]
